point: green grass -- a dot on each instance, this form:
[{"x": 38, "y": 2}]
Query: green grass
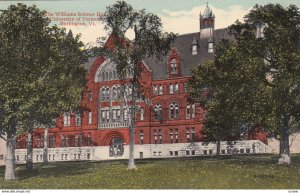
[{"x": 232, "y": 172}]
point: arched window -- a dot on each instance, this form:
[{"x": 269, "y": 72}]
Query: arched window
[
  {"x": 128, "y": 89},
  {"x": 110, "y": 75},
  {"x": 158, "y": 112},
  {"x": 115, "y": 92},
  {"x": 103, "y": 76},
  {"x": 106, "y": 75},
  {"x": 141, "y": 114},
  {"x": 174, "y": 110},
  {"x": 173, "y": 66},
  {"x": 130, "y": 71},
  {"x": 114, "y": 75},
  {"x": 105, "y": 93}
]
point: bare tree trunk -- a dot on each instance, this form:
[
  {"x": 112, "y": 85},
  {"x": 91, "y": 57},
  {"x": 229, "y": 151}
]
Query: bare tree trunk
[
  {"x": 10, "y": 157},
  {"x": 218, "y": 147},
  {"x": 285, "y": 155},
  {"x": 45, "y": 150},
  {"x": 29, "y": 160},
  {"x": 131, "y": 164}
]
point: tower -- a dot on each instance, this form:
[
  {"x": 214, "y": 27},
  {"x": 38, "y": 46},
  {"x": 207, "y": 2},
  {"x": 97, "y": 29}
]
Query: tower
[{"x": 207, "y": 23}]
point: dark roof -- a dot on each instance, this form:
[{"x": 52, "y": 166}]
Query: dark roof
[
  {"x": 89, "y": 63},
  {"x": 183, "y": 45},
  {"x": 208, "y": 12}
]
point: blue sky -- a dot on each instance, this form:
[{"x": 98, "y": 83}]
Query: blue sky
[{"x": 179, "y": 16}]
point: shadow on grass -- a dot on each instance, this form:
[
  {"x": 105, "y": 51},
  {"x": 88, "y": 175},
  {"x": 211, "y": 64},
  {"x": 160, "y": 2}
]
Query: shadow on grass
[{"x": 61, "y": 169}]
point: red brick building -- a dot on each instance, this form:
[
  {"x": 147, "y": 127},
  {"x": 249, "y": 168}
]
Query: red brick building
[{"x": 166, "y": 125}]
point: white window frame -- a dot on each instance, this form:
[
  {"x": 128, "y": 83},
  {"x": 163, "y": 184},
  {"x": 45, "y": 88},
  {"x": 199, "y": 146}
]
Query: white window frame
[
  {"x": 67, "y": 119},
  {"x": 194, "y": 49},
  {"x": 90, "y": 117},
  {"x": 210, "y": 47},
  {"x": 173, "y": 66},
  {"x": 160, "y": 89}
]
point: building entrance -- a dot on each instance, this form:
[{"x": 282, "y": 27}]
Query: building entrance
[{"x": 116, "y": 149}]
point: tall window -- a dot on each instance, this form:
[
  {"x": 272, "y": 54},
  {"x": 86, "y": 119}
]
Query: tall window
[
  {"x": 90, "y": 117},
  {"x": 128, "y": 89},
  {"x": 106, "y": 75},
  {"x": 155, "y": 90},
  {"x": 89, "y": 140},
  {"x": 190, "y": 111},
  {"x": 80, "y": 140},
  {"x": 125, "y": 117},
  {"x": 176, "y": 135},
  {"x": 194, "y": 49},
  {"x": 90, "y": 95},
  {"x": 158, "y": 112},
  {"x": 76, "y": 140},
  {"x": 173, "y": 66},
  {"x": 171, "y": 135},
  {"x": 190, "y": 135},
  {"x": 115, "y": 92},
  {"x": 160, "y": 136},
  {"x": 66, "y": 140},
  {"x": 174, "y": 110},
  {"x": 160, "y": 89},
  {"x": 105, "y": 116},
  {"x": 63, "y": 141},
  {"x": 187, "y": 133},
  {"x": 114, "y": 75},
  {"x": 193, "y": 134},
  {"x": 141, "y": 114},
  {"x": 155, "y": 136},
  {"x": 210, "y": 47},
  {"x": 105, "y": 93},
  {"x": 174, "y": 88},
  {"x": 110, "y": 75},
  {"x": 51, "y": 141},
  {"x": 141, "y": 137},
  {"x": 40, "y": 141},
  {"x": 78, "y": 118},
  {"x": 67, "y": 119}
]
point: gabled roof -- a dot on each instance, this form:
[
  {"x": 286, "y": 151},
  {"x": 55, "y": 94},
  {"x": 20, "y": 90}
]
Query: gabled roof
[
  {"x": 183, "y": 45},
  {"x": 188, "y": 61}
]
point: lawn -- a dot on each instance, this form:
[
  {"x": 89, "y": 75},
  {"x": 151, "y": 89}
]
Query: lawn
[{"x": 230, "y": 172}]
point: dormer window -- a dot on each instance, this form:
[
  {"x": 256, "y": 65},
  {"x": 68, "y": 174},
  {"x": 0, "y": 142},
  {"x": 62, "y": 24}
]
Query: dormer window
[
  {"x": 194, "y": 49},
  {"x": 210, "y": 47},
  {"x": 173, "y": 66},
  {"x": 260, "y": 31},
  {"x": 210, "y": 43},
  {"x": 194, "y": 46}
]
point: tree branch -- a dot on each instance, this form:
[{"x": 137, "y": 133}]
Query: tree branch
[{"x": 3, "y": 138}]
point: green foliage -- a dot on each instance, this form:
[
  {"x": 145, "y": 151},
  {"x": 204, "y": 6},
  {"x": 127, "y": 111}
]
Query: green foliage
[
  {"x": 226, "y": 172},
  {"x": 254, "y": 81},
  {"x": 41, "y": 68},
  {"x": 149, "y": 39}
]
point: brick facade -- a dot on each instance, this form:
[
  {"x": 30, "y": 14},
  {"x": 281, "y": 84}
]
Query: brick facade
[{"x": 165, "y": 118}]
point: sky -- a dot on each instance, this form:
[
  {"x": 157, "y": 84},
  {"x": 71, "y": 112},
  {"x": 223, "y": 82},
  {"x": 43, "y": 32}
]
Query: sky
[{"x": 178, "y": 16}]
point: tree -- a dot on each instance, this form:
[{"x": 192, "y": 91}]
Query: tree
[
  {"x": 265, "y": 83},
  {"x": 149, "y": 41},
  {"x": 227, "y": 87},
  {"x": 42, "y": 73}
]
